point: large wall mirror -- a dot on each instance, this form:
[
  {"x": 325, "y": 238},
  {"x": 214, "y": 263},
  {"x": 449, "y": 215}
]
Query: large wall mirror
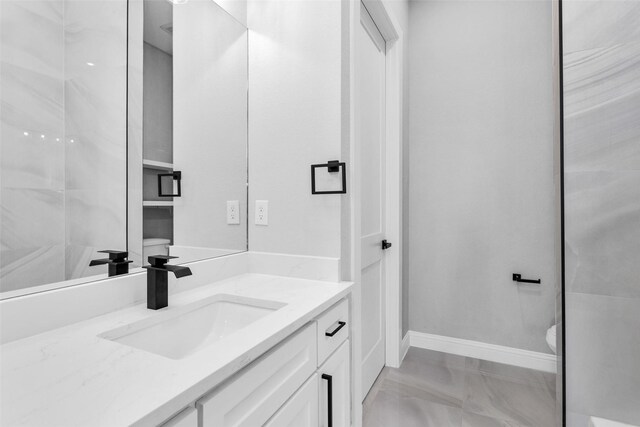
[
  {"x": 108, "y": 108},
  {"x": 63, "y": 118},
  {"x": 192, "y": 130}
]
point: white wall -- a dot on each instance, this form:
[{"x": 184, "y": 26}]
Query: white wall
[
  {"x": 235, "y": 8},
  {"x": 294, "y": 121},
  {"x": 210, "y": 125},
  {"x": 481, "y": 171}
]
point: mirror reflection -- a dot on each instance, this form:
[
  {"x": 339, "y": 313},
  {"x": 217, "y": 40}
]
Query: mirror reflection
[
  {"x": 63, "y": 147},
  {"x": 194, "y": 131},
  {"x": 123, "y": 129}
]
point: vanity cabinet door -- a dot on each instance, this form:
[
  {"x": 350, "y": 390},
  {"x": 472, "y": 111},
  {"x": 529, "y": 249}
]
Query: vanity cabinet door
[
  {"x": 335, "y": 381},
  {"x": 301, "y": 410},
  {"x": 256, "y": 393},
  {"x": 186, "y": 418}
]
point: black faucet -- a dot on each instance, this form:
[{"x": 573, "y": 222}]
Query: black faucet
[
  {"x": 118, "y": 262},
  {"x": 158, "y": 280}
]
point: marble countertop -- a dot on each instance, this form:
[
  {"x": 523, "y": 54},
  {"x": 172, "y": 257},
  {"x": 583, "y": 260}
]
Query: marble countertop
[{"x": 71, "y": 377}]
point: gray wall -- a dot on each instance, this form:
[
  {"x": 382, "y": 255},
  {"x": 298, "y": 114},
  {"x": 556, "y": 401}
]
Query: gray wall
[
  {"x": 602, "y": 209},
  {"x": 158, "y": 105},
  {"x": 481, "y": 171}
]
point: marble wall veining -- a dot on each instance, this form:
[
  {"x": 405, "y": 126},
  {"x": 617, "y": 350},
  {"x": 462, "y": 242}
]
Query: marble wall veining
[
  {"x": 32, "y": 223},
  {"x": 95, "y": 118},
  {"x": 63, "y": 144},
  {"x": 601, "y": 65}
]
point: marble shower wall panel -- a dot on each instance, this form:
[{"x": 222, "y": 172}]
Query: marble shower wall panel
[
  {"x": 602, "y": 208},
  {"x": 32, "y": 237},
  {"x": 602, "y": 233},
  {"x": 95, "y": 122},
  {"x": 602, "y": 106},
  {"x": 603, "y": 343},
  {"x": 32, "y": 143},
  {"x": 590, "y": 24}
]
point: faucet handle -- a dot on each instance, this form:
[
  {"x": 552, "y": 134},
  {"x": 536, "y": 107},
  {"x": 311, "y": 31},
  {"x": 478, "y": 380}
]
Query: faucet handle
[
  {"x": 115, "y": 256},
  {"x": 160, "y": 260},
  {"x": 117, "y": 261}
]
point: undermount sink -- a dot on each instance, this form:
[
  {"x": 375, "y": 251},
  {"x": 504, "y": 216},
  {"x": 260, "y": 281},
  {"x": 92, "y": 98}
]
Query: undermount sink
[{"x": 184, "y": 331}]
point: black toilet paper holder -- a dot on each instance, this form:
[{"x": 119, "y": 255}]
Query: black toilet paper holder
[{"x": 518, "y": 278}]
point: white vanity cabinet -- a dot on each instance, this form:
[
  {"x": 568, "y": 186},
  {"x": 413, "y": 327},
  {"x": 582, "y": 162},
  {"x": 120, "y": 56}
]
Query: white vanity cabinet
[
  {"x": 301, "y": 410},
  {"x": 188, "y": 417},
  {"x": 290, "y": 385},
  {"x": 335, "y": 382},
  {"x": 251, "y": 397}
]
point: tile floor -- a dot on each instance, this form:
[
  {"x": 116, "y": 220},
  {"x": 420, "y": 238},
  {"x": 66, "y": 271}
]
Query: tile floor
[{"x": 442, "y": 390}]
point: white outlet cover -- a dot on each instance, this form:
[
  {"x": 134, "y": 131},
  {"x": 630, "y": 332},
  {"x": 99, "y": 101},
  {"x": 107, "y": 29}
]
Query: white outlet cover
[
  {"x": 262, "y": 212},
  {"x": 233, "y": 212}
]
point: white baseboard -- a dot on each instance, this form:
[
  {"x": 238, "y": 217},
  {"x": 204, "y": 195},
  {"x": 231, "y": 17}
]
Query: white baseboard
[
  {"x": 479, "y": 350},
  {"x": 406, "y": 343}
]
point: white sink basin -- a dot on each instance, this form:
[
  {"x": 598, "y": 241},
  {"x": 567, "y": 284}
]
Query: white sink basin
[{"x": 180, "y": 332}]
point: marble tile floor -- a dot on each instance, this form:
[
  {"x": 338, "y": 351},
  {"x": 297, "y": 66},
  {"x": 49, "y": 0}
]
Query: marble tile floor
[{"x": 442, "y": 390}]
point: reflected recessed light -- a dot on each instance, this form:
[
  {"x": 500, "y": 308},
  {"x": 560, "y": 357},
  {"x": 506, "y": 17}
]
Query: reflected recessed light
[
  {"x": 25, "y": 133},
  {"x": 177, "y": 1},
  {"x": 71, "y": 140},
  {"x": 42, "y": 136},
  {"x": 57, "y": 139},
  {"x": 91, "y": 64}
]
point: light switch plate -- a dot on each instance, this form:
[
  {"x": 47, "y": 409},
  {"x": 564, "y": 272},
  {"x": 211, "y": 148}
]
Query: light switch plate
[
  {"x": 233, "y": 212},
  {"x": 262, "y": 212}
]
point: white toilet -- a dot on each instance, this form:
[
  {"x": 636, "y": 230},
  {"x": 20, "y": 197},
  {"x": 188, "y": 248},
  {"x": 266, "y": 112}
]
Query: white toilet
[{"x": 551, "y": 338}]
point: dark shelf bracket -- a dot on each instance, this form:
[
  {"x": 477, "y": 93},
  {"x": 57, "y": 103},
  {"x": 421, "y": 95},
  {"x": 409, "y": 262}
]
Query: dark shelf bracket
[{"x": 175, "y": 176}]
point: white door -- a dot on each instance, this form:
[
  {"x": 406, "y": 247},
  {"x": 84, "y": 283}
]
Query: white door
[{"x": 370, "y": 134}]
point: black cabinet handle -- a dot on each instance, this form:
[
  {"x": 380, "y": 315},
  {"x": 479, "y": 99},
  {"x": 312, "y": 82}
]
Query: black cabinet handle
[
  {"x": 518, "y": 278},
  {"x": 329, "y": 380},
  {"x": 385, "y": 245},
  {"x": 335, "y": 331}
]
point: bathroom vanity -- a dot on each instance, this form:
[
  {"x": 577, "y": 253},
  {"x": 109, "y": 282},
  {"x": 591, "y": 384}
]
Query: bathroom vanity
[
  {"x": 249, "y": 350},
  {"x": 147, "y": 159}
]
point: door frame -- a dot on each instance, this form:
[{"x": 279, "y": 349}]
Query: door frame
[{"x": 394, "y": 56}]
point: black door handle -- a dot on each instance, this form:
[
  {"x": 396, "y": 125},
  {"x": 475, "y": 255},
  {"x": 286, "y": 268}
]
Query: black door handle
[
  {"x": 329, "y": 380},
  {"x": 385, "y": 245}
]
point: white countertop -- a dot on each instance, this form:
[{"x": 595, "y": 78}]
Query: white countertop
[{"x": 71, "y": 377}]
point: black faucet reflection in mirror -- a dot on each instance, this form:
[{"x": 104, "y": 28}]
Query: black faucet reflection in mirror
[
  {"x": 158, "y": 280},
  {"x": 117, "y": 261}
]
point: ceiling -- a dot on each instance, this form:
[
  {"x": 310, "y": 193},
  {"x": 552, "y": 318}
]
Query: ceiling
[{"x": 158, "y": 17}]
